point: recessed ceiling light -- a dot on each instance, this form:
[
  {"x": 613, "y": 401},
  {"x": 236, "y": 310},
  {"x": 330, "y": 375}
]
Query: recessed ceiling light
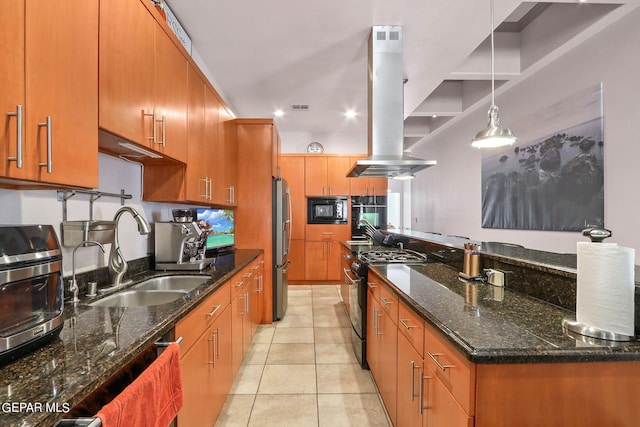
[
  {"x": 278, "y": 113},
  {"x": 350, "y": 114}
]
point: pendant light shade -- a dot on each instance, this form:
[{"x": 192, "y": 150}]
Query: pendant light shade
[{"x": 493, "y": 135}]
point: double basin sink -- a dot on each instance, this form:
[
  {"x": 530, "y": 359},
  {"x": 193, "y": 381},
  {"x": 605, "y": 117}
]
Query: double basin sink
[{"x": 153, "y": 291}]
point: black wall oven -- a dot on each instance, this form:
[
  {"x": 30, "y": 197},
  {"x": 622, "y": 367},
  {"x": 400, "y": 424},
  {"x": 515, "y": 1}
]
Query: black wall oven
[
  {"x": 327, "y": 210},
  {"x": 31, "y": 289},
  {"x": 371, "y": 208}
]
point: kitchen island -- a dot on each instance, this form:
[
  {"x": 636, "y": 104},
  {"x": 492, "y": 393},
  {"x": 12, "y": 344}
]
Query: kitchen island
[
  {"x": 96, "y": 343},
  {"x": 492, "y": 356}
]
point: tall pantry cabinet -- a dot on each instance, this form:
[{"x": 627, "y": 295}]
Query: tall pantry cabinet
[
  {"x": 258, "y": 145},
  {"x": 49, "y": 81}
]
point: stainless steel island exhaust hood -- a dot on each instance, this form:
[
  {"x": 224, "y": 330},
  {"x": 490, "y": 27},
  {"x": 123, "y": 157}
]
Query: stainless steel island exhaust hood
[{"x": 386, "y": 110}]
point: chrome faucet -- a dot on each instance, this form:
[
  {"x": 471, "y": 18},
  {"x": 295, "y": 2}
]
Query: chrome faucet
[
  {"x": 73, "y": 285},
  {"x": 117, "y": 262}
]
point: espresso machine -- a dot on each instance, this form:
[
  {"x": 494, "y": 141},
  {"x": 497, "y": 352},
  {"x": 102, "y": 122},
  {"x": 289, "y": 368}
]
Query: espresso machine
[{"x": 181, "y": 244}]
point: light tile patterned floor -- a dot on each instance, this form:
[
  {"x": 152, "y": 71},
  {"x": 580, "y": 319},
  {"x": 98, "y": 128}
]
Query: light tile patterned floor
[{"x": 301, "y": 371}]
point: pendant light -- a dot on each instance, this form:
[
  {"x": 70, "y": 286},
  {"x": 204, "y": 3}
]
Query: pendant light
[{"x": 493, "y": 135}]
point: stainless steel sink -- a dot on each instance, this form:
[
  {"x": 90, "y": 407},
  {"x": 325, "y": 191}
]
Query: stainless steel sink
[
  {"x": 139, "y": 297},
  {"x": 172, "y": 283}
]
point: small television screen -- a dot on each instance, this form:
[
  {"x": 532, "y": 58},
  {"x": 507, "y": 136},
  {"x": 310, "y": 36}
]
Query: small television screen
[{"x": 222, "y": 226}]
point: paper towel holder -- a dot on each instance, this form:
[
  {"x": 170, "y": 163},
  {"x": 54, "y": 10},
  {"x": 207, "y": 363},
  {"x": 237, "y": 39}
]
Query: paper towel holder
[
  {"x": 597, "y": 235},
  {"x": 571, "y": 324}
]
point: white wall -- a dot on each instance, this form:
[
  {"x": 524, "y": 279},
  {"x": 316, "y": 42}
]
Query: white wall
[
  {"x": 447, "y": 198},
  {"x": 42, "y": 207}
]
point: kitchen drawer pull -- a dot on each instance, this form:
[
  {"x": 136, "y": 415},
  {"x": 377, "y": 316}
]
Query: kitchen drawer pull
[
  {"x": 255, "y": 267},
  {"x": 18, "y": 157},
  {"x": 212, "y": 340},
  {"x": 422, "y": 407},
  {"x": 405, "y": 324},
  {"x": 206, "y": 188},
  {"x": 385, "y": 301},
  {"x": 239, "y": 284},
  {"x": 214, "y": 311},
  {"x": 442, "y": 367},
  {"x": 371, "y": 285},
  {"x": 232, "y": 194},
  {"x": 49, "y": 125},
  {"x": 248, "y": 275}
]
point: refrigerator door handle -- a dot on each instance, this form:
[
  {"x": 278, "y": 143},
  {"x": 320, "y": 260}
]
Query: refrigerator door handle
[
  {"x": 289, "y": 219},
  {"x": 284, "y": 267}
]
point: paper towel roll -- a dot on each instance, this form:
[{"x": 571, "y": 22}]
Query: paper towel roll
[{"x": 605, "y": 288}]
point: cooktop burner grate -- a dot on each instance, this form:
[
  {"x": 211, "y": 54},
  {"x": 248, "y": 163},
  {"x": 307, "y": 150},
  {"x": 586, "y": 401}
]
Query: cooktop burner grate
[{"x": 390, "y": 256}]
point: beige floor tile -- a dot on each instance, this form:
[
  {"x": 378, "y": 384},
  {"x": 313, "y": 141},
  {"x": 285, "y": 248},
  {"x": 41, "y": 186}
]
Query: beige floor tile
[
  {"x": 247, "y": 380},
  {"x": 299, "y": 309},
  {"x": 324, "y": 301},
  {"x": 299, "y": 287},
  {"x": 344, "y": 378},
  {"x": 236, "y": 411},
  {"x": 284, "y": 411},
  {"x": 256, "y": 354},
  {"x": 264, "y": 334},
  {"x": 296, "y": 321},
  {"x": 326, "y": 290},
  {"x": 332, "y": 335},
  {"x": 335, "y": 353},
  {"x": 293, "y": 335},
  {"x": 299, "y": 292},
  {"x": 287, "y": 354},
  {"x": 288, "y": 379},
  {"x": 326, "y": 319},
  {"x": 351, "y": 410}
]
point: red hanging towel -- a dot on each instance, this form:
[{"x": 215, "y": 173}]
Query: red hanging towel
[{"x": 153, "y": 399}]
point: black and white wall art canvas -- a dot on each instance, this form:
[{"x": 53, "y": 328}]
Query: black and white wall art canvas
[{"x": 552, "y": 178}]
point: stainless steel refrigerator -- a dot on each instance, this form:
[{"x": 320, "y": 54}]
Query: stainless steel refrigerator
[{"x": 281, "y": 243}]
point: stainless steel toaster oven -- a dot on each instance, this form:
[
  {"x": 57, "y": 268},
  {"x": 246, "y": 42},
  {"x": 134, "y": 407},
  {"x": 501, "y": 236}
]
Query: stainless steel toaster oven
[{"x": 31, "y": 288}]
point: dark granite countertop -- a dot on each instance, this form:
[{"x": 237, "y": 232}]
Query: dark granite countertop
[
  {"x": 94, "y": 344},
  {"x": 496, "y": 325}
]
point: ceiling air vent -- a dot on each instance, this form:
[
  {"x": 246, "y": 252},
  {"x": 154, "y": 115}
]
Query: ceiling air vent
[{"x": 300, "y": 107}]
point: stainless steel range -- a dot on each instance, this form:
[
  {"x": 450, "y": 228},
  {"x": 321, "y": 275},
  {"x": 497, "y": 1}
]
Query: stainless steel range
[{"x": 356, "y": 281}]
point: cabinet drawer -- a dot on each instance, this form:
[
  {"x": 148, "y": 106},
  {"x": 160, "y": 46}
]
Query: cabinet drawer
[
  {"x": 389, "y": 303},
  {"x": 327, "y": 232},
  {"x": 456, "y": 373},
  {"x": 374, "y": 285},
  {"x": 412, "y": 327},
  {"x": 238, "y": 281},
  {"x": 196, "y": 322}
]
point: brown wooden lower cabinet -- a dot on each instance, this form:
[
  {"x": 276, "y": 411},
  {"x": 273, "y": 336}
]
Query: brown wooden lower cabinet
[
  {"x": 410, "y": 391},
  {"x": 216, "y": 336},
  {"x": 296, "y": 256}
]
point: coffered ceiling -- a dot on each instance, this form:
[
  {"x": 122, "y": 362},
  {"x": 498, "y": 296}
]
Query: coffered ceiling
[{"x": 270, "y": 55}]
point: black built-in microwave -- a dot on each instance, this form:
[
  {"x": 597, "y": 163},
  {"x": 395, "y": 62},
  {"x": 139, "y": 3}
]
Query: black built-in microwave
[{"x": 327, "y": 210}]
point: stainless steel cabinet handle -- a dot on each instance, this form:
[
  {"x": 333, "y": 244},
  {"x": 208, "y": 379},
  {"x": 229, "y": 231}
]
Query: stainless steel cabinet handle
[
  {"x": 18, "y": 157},
  {"x": 378, "y": 316},
  {"x": 385, "y": 301},
  {"x": 213, "y": 350},
  {"x": 209, "y": 188},
  {"x": 371, "y": 285},
  {"x": 421, "y": 393},
  {"x": 405, "y": 324},
  {"x": 217, "y": 307},
  {"x": 49, "y": 125},
  {"x": 216, "y": 354},
  {"x": 260, "y": 289},
  {"x": 246, "y": 303},
  {"x": 239, "y": 284},
  {"x": 163, "y": 126},
  {"x": 413, "y": 380},
  {"x": 206, "y": 187},
  {"x": 232, "y": 194},
  {"x": 434, "y": 356},
  {"x": 153, "y": 119},
  {"x": 373, "y": 320}
]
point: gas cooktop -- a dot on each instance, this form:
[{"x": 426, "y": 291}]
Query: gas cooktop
[{"x": 392, "y": 256}]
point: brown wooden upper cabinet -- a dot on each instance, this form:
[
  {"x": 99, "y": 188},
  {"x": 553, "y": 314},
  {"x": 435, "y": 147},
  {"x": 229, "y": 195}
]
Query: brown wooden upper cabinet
[
  {"x": 143, "y": 80},
  {"x": 49, "y": 81},
  {"x": 367, "y": 186},
  {"x": 326, "y": 175}
]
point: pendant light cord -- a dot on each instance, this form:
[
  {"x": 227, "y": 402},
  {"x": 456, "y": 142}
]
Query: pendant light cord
[{"x": 493, "y": 89}]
